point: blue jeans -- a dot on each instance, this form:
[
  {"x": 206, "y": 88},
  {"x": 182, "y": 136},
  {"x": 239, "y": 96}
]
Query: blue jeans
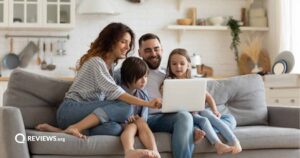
[
  {"x": 180, "y": 125},
  {"x": 110, "y": 114},
  {"x": 211, "y": 124}
]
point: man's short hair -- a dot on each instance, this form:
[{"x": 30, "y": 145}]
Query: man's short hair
[{"x": 148, "y": 36}]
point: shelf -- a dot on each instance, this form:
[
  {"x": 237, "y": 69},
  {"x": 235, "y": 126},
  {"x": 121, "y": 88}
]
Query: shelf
[
  {"x": 213, "y": 28},
  {"x": 182, "y": 28}
]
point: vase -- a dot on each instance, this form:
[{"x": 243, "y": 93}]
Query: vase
[{"x": 256, "y": 69}]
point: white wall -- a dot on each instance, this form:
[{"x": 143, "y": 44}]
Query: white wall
[{"x": 150, "y": 16}]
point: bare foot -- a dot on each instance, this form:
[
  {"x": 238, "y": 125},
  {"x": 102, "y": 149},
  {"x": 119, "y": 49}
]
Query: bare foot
[
  {"x": 137, "y": 153},
  {"x": 47, "y": 128},
  {"x": 236, "y": 148},
  {"x": 75, "y": 132},
  {"x": 198, "y": 135},
  {"x": 222, "y": 148},
  {"x": 154, "y": 154}
]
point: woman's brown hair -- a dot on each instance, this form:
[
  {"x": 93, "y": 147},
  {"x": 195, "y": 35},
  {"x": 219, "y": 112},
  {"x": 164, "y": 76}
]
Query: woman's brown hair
[
  {"x": 179, "y": 51},
  {"x": 106, "y": 41}
]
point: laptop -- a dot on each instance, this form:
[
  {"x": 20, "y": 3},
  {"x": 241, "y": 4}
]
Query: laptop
[{"x": 183, "y": 95}]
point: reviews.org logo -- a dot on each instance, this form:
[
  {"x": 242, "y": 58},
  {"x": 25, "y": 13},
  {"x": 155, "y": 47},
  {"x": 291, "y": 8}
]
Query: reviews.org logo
[{"x": 21, "y": 138}]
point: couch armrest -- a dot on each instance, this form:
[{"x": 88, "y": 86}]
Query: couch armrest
[
  {"x": 11, "y": 123},
  {"x": 284, "y": 116}
]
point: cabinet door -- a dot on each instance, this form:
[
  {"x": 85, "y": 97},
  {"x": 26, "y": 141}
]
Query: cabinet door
[
  {"x": 3, "y": 13},
  {"x": 59, "y": 13},
  {"x": 25, "y": 13}
]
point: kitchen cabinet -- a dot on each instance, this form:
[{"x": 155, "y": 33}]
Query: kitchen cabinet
[
  {"x": 3, "y": 13},
  {"x": 283, "y": 90},
  {"x": 56, "y": 14}
]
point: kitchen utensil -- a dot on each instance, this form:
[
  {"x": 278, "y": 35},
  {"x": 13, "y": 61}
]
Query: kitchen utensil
[
  {"x": 11, "y": 60},
  {"x": 51, "y": 66},
  {"x": 27, "y": 53},
  {"x": 60, "y": 48},
  {"x": 44, "y": 63},
  {"x": 38, "y": 58}
]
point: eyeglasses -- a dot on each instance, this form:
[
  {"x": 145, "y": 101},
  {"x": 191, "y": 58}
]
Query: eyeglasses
[{"x": 150, "y": 50}]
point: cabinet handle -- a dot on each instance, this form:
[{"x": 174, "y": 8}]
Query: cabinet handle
[
  {"x": 276, "y": 101},
  {"x": 292, "y": 100}
]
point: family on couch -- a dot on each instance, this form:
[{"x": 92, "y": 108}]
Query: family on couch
[{"x": 97, "y": 104}]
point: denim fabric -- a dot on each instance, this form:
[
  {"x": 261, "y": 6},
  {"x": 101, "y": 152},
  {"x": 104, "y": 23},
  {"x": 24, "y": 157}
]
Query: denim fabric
[
  {"x": 211, "y": 124},
  {"x": 180, "y": 125},
  {"x": 107, "y": 128},
  {"x": 71, "y": 111}
]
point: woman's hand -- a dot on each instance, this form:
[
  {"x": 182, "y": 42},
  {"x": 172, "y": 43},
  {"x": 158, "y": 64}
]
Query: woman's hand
[
  {"x": 155, "y": 103},
  {"x": 217, "y": 113}
]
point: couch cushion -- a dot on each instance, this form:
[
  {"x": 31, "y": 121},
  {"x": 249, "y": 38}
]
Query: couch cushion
[
  {"x": 37, "y": 96},
  {"x": 244, "y": 97},
  {"x": 94, "y": 145},
  {"x": 251, "y": 138}
]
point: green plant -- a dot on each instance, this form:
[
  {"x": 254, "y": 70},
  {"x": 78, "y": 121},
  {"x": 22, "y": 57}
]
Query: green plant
[{"x": 235, "y": 32}]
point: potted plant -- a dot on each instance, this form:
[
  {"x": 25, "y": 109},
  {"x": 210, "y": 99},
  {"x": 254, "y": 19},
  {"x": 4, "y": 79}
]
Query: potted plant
[{"x": 235, "y": 32}]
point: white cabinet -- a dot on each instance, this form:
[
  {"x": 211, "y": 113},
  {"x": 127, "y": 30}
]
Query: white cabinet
[
  {"x": 283, "y": 90},
  {"x": 24, "y": 13},
  {"x": 3, "y": 13},
  {"x": 59, "y": 13},
  {"x": 39, "y": 13}
]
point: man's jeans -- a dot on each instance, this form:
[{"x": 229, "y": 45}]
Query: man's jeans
[
  {"x": 110, "y": 113},
  {"x": 180, "y": 125}
]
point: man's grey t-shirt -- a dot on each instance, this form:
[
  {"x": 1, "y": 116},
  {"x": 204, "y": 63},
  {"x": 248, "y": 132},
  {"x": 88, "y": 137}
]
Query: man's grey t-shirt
[{"x": 155, "y": 79}]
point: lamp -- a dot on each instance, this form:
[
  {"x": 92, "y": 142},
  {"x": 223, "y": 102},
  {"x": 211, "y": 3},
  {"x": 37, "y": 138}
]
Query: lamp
[{"x": 96, "y": 7}]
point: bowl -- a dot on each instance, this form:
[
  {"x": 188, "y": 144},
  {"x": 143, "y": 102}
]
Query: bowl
[
  {"x": 184, "y": 21},
  {"x": 218, "y": 20}
]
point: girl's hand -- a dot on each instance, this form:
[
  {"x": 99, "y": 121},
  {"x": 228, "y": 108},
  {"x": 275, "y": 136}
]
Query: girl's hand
[
  {"x": 217, "y": 113},
  {"x": 155, "y": 103}
]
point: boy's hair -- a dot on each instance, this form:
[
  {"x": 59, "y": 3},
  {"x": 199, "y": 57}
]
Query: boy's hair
[
  {"x": 179, "y": 51},
  {"x": 133, "y": 68}
]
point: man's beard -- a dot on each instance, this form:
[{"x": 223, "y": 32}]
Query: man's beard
[{"x": 151, "y": 65}]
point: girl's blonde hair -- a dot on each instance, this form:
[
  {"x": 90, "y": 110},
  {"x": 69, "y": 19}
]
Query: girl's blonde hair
[{"x": 182, "y": 52}]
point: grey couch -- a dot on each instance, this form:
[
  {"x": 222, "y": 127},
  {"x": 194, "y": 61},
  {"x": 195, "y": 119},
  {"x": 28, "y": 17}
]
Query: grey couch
[{"x": 31, "y": 99}]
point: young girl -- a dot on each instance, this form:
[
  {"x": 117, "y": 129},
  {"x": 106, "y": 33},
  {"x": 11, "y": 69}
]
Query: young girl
[
  {"x": 178, "y": 67},
  {"x": 134, "y": 73}
]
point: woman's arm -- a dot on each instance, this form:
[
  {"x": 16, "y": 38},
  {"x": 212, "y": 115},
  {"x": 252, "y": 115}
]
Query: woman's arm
[
  {"x": 155, "y": 103},
  {"x": 211, "y": 102}
]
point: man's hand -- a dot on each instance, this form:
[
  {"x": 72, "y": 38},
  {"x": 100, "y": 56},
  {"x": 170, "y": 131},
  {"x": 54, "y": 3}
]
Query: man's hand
[{"x": 155, "y": 103}]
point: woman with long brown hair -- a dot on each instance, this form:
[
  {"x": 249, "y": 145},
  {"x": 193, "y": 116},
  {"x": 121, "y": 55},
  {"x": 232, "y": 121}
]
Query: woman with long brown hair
[{"x": 94, "y": 100}]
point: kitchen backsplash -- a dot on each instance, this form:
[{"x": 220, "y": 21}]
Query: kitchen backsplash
[{"x": 212, "y": 46}]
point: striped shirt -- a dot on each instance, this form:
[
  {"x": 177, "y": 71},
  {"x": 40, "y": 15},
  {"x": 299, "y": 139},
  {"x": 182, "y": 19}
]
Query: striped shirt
[{"x": 93, "y": 82}]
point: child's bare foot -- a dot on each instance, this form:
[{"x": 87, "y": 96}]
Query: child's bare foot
[
  {"x": 75, "y": 132},
  {"x": 154, "y": 154},
  {"x": 222, "y": 148},
  {"x": 137, "y": 153},
  {"x": 198, "y": 135},
  {"x": 236, "y": 148},
  {"x": 47, "y": 128}
]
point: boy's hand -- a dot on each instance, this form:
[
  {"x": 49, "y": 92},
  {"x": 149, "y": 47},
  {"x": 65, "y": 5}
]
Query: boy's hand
[
  {"x": 155, "y": 103},
  {"x": 132, "y": 118}
]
